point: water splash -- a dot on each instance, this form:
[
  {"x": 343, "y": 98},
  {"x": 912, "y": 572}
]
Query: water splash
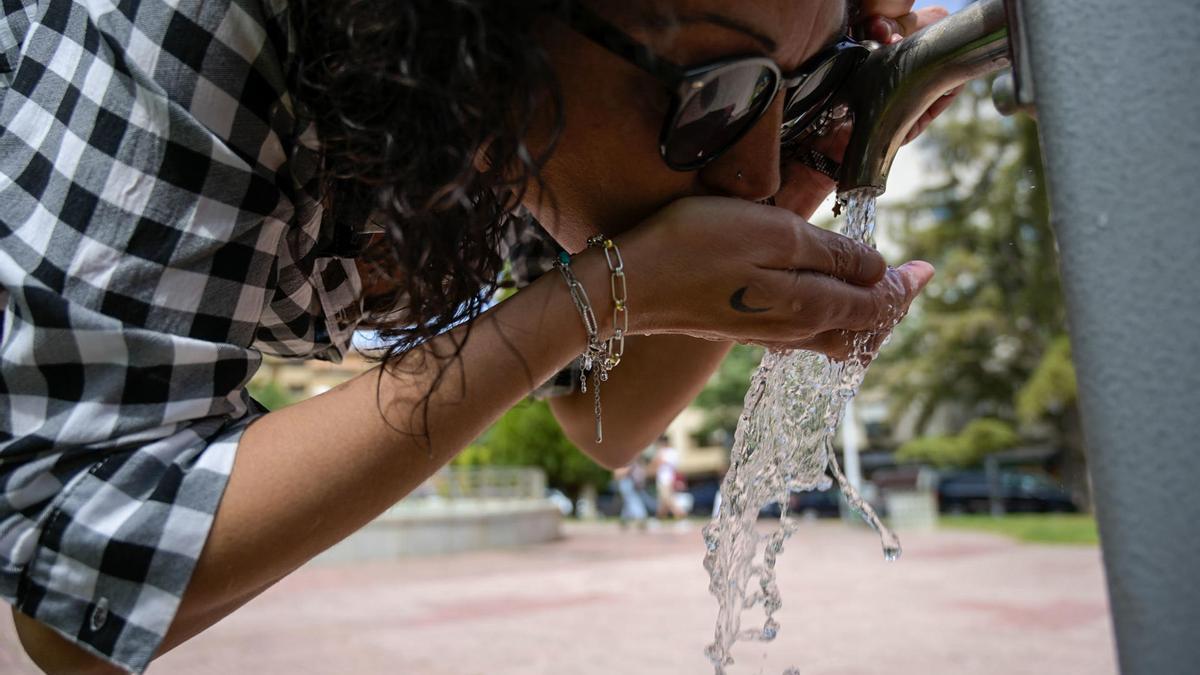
[{"x": 783, "y": 443}]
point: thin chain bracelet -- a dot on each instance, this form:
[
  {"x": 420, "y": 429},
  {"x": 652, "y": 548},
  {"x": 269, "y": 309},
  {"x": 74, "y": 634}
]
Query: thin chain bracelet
[
  {"x": 616, "y": 265},
  {"x": 595, "y": 356}
]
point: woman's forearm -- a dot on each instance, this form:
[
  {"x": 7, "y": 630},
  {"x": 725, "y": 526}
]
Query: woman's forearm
[
  {"x": 308, "y": 475},
  {"x": 658, "y": 377}
]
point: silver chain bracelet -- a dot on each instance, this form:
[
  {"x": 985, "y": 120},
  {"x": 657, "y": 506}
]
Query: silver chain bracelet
[
  {"x": 616, "y": 265},
  {"x": 599, "y": 357},
  {"x": 595, "y": 355}
]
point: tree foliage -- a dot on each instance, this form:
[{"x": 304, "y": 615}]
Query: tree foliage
[
  {"x": 987, "y": 339},
  {"x": 978, "y": 439},
  {"x": 983, "y": 325},
  {"x": 272, "y": 395},
  {"x": 722, "y": 398},
  {"x": 1052, "y": 387},
  {"x": 528, "y": 435}
]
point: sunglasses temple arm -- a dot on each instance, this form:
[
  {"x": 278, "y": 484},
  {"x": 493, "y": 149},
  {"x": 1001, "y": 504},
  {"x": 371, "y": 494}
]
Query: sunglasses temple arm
[{"x": 592, "y": 26}]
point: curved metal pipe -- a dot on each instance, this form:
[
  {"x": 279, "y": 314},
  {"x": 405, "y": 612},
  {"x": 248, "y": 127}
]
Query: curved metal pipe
[{"x": 899, "y": 82}]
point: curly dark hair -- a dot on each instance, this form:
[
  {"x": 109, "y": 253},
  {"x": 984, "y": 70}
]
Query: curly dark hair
[{"x": 406, "y": 96}]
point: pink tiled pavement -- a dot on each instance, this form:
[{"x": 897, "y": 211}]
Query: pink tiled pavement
[{"x": 606, "y": 601}]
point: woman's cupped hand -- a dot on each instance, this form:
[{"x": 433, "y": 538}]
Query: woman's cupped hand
[{"x": 729, "y": 269}]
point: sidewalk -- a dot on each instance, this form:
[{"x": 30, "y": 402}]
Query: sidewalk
[{"x": 607, "y": 601}]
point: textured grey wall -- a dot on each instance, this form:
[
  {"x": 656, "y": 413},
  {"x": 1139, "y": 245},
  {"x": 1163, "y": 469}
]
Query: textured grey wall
[{"x": 1118, "y": 88}]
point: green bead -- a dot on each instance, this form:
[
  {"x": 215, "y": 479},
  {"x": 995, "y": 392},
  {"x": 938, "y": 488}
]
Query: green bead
[{"x": 564, "y": 258}]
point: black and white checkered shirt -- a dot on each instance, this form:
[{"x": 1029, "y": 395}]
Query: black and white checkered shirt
[{"x": 160, "y": 229}]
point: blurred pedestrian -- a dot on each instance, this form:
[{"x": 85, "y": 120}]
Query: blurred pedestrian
[
  {"x": 631, "y": 485},
  {"x": 666, "y": 472}
]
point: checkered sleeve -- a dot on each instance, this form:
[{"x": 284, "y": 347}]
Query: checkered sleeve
[
  {"x": 160, "y": 228},
  {"x": 530, "y": 252}
]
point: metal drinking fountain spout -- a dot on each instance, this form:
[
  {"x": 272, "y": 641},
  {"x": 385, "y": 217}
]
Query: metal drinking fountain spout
[{"x": 898, "y": 82}]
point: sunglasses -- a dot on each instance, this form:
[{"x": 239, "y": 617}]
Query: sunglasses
[{"x": 713, "y": 105}]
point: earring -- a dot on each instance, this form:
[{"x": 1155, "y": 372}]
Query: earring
[{"x": 739, "y": 175}]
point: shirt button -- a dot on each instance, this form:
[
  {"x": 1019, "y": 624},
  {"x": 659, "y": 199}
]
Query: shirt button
[{"x": 99, "y": 614}]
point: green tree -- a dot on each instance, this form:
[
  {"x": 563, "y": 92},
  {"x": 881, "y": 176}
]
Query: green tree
[
  {"x": 528, "y": 435},
  {"x": 1052, "y": 389},
  {"x": 978, "y": 439},
  {"x": 723, "y": 396},
  {"x": 271, "y": 395},
  {"x": 985, "y": 338},
  {"x": 1049, "y": 397}
]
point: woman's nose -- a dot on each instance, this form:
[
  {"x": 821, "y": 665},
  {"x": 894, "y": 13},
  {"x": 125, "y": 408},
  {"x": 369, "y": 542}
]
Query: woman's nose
[{"x": 750, "y": 169}]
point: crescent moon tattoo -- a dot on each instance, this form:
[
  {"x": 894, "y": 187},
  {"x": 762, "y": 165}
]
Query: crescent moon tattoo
[{"x": 735, "y": 301}]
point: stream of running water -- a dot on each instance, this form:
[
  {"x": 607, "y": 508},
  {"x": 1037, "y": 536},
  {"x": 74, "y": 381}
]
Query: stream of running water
[{"x": 783, "y": 443}]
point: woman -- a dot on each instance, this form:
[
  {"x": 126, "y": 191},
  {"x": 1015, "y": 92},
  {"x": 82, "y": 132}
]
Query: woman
[
  {"x": 185, "y": 187},
  {"x": 666, "y": 465}
]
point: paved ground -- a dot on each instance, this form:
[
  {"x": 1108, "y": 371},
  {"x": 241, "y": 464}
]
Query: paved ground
[{"x": 603, "y": 601}]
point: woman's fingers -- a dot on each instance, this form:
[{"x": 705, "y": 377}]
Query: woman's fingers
[
  {"x": 811, "y": 303},
  {"x": 841, "y": 345},
  {"x": 887, "y": 28},
  {"x": 771, "y": 238},
  {"x": 881, "y": 306},
  {"x": 884, "y": 30},
  {"x": 736, "y": 270},
  {"x": 885, "y": 7},
  {"x": 927, "y": 17},
  {"x": 880, "y": 314},
  {"x": 814, "y": 249},
  {"x": 768, "y": 237},
  {"x": 939, "y": 106},
  {"x": 915, "y": 21}
]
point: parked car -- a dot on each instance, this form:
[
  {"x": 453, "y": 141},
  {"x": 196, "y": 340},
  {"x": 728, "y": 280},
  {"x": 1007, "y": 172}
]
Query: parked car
[
  {"x": 807, "y": 503},
  {"x": 1020, "y": 492},
  {"x": 816, "y": 503},
  {"x": 704, "y": 495}
]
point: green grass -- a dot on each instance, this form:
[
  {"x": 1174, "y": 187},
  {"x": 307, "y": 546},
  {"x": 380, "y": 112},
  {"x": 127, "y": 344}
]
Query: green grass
[{"x": 1040, "y": 528}]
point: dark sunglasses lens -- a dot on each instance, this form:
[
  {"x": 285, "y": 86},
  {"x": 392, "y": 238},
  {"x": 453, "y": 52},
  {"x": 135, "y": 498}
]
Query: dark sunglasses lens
[
  {"x": 721, "y": 108},
  {"x": 804, "y": 101}
]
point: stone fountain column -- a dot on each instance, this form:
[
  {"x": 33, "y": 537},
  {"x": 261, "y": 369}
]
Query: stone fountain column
[{"x": 1118, "y": 98}]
